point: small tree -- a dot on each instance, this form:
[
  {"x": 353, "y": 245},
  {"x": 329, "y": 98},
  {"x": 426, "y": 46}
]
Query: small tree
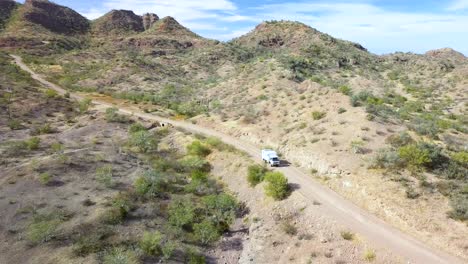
[
  {"x": 256, "y": 174},
  {"x": 277, "y": 186},
  {"x": 221, "y": 209}
]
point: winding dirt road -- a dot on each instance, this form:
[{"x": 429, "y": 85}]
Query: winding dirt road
[{"x": 376, "y": 231}]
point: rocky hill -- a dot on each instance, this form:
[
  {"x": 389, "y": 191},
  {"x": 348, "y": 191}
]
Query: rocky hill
[
  {"x": 6, "y": 9},
  {"x": 53, "y": 17}
]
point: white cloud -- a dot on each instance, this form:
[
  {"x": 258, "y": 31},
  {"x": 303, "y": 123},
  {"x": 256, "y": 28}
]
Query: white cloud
[{"x": 458, "y": 5}]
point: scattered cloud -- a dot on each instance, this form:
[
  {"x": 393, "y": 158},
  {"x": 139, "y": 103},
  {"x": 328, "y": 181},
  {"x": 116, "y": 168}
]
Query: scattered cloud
[
  {"x": 378, "y": 28},
  {"x": 458, "y": 5}
]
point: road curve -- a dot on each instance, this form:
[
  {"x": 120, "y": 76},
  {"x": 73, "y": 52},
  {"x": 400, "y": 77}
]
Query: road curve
[{"x": 375, "y": 230}]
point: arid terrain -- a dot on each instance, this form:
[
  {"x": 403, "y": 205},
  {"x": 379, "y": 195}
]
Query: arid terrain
[{"x": 132, "y": 137}]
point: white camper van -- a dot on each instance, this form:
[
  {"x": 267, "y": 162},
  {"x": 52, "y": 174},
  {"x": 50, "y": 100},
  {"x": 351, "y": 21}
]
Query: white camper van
[{"x": 269, "y": 156}]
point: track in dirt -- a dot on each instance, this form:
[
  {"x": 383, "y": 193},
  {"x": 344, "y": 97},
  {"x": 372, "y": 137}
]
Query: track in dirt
[{"x": 376, "y": 231}]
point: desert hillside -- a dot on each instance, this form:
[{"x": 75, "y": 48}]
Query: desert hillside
[{"x": 386, "y": 132}]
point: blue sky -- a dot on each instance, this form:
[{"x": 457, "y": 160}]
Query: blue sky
[{"x": 382, "y": 26}]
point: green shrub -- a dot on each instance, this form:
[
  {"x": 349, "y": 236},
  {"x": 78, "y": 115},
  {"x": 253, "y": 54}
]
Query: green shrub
[
  {"x": 205, "y": 232},
  {"x": 137, "y": 127},
  {"x": 357, "y": 147},
  {"x": 360, "y": 98},
  {"x": 150, "y": 243},
  {"x": 387, "y": 159},
  {"x": 43, "y": 226},
  {"x": 14, "y": 124},
  {"x": 459, "y": 207},
  {"x": 145, "y": 141},
  {"x": 369, "y": 255},
  {"x": 181, "y": 213},
  {"x": 57, "y": 147},
  {"x": 121, "y": 206},
  {"x": 256, "y": 174},
  {"x": 198, "y": 149},
  {"x": 461, "y": 158},
  {"x": 289, "y": 228},
  {"x": 317, "y": 115},
  {"x": 120, "y": 256},
  {"x": 399, "y": 140},
  {"x": 112, "y": 115},
  {"x": 42, "y": 130},
  {"x": 33, "y": 143},
  {"x": 90, "y": 240},
  {"x": 51, "y": 93},
  {"x": 84, "y": 105},
  {"x": 45, "y": 178},
  {"x": 151, "y": 184},
  {"x": 346, "y": 235},
  {"x": 190, "y": 163},
  {"x": 195, "y": 258},
  {"x": 414, "y": 157},
  {"x": 104, "y": 176},
  {"x": 277, "y": 185},
  {"x": 168, "y": 250},
  {"x": 345, "y": 90},
  {"x": 341, "y": 110},
  {"x": 221, "y": 209}
]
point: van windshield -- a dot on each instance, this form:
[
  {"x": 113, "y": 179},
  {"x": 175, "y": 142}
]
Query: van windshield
[{"x": 275, "y": 159}]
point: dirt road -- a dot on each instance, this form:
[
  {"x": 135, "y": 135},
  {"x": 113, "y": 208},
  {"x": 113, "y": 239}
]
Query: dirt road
[{"x": 376, "y": 231}]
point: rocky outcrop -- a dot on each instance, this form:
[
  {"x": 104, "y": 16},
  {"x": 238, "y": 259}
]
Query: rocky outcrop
[
  {"x": 119, "y": 21},
  {"x": 149, "y": 19},
  {"x": 6, "y": 8},
  {"x": 56, "y": 18}
]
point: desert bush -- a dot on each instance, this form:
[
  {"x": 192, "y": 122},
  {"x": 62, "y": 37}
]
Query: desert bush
[
  {"x": 387, "y": 159},
  {"x": 43, "y": 227},
  {"x": 346, "y": 235},
  {"x": 256, "y": 174},
  {"x": 104, "y": 176},
  {"x": 399, "y": 140},
  {"x": 41, "y": 130},
  {"x": 459, "y": 207},
  {"x": 414, "y": 157},
  {"x": 151, "y": 184},
  {"x": 345, "y": 90},
  {"x": 145, "y": 141},
  {"x": 205, "y": 232},
  {"x": 425, "y": 127},
  {"x": 120, "y": 256},
  {"x": 357, "y": 147},
  {"x": 461, "y": 158},
  {"x": 190, "y": 163},
  {"x": 360, "y": 98},
  {"x": 45, "y": 178},
  {"x": 317, "y": 115},
  {"x": 136, "y": 127},
  {"x": 33, "y": 143},
  {"x": 277, "y": 185},
  {"x": 369, "y": 255},
  {"x": 168, "y": 250},
  {"x": 198, "y": 149},
  {"x": 50, "y": 93},
  {"x": 84, "y": 105},
  {"x": 151, "y": 242},
  {"x": 289, "y": 228},
  {"x": 341, "y": 110},
  {"x": 14, "y": 124},
  {"x": 119, "y": 209},
  {"x": 196, "y": 258},
  {"x": 90, "y": 239},
  {"x": 221, "y": 209},
  {"x": 112, "y": 115},
  {"x": 181, "y": 213}
]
